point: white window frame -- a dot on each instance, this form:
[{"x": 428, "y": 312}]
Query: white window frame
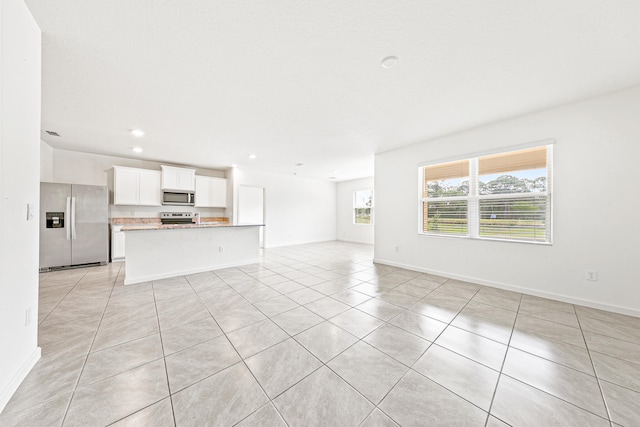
[
  {"x": 473, "y": 198},
  {"x": 353, "y": 207}
]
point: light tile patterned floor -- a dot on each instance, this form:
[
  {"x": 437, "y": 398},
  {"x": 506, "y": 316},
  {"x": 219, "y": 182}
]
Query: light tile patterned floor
[{"x": 319, "y": 335}]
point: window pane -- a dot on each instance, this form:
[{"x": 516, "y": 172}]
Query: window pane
[
  {"x": 362, "y": 199},
  {"x": 446, "y": 179},
  {"x": 527, "y": 181},
  {"x": 362, "y": 215},
  {"x": 522, "y": 171},
  {"x": 521, "y": 218},
  {"x": 446, "y": 217}
]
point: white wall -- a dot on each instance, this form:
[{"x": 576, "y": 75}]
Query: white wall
[
  {"x": 75, "y": 167},
  {"x": 46, "y": 162},
  {"x": 19, "y": 185},
  {"x": 297, "y": 210},
  {"x": 346, "y": 230},
  {"x": 595, "y": 207}
]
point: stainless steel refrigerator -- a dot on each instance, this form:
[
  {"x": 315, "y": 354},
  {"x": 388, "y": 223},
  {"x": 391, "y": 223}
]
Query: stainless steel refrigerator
[{"x": 74, "y": 225}]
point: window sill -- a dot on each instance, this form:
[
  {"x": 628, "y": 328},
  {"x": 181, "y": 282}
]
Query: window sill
[{"x": 484, "y": 239}]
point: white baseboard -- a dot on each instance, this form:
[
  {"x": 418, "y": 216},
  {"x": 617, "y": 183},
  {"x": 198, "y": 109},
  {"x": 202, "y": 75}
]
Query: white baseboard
[
  {"x": 307, "y": 242},
  {"x": 558, "y": 297},
  {"x": 17, "y": 379},
  {"x": 355, "y": 241}
]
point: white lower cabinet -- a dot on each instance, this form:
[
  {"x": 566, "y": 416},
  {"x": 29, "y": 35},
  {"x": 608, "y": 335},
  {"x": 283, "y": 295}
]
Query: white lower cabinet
[{"x": 117, "y": 243}]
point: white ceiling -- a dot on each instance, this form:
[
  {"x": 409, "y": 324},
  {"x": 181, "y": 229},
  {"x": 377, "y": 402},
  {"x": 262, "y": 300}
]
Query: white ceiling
[{"x": 300, "y": 81}]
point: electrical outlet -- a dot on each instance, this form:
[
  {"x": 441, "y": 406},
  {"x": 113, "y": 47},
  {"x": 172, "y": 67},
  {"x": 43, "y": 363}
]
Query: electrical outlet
[
  {"x": 221, "y": 249},
  {"x": 396, "y": 249},
  {"x": 27, "y": 316},
  {"x": 592, "y": 275}
]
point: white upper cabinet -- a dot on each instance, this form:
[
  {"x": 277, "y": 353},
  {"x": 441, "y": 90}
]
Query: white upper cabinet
[
  {"x": 132, "y": 186},
  {"x": 211, "y": 192},
  {"x": 150, "y": 191},
  {"x": 174, "y": 178}
]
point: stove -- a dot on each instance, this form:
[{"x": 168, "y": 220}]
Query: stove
[{"x": 177, "y": 217}]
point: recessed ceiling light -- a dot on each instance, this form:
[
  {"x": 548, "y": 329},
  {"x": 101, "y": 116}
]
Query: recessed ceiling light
[
  {"x": 252, "y": 156},
  {"x": 299, "y": 164},
  {"x": 52, "y": 133},
  {"x": 136, "y": 150},
  {"x": 333, "y": 177},
  {"x": 389, "y": 62},
  {"x": 137, "y": 133}
]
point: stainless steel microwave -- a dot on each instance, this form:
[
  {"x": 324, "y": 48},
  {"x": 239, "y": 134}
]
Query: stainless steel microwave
[{"x": 178, "y": 198}]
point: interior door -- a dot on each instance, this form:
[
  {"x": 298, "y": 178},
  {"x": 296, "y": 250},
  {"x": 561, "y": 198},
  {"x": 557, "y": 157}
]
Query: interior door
[
  {"x": 90, "y": 241},
  {"x": 55, "y": 247}
]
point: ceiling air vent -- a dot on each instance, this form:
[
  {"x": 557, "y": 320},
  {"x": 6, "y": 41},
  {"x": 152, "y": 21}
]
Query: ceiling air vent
[{"x": 52, "y": 133}]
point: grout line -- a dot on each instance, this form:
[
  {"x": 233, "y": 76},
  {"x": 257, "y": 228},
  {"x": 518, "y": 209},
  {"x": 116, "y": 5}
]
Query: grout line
[
  {"x": 504, "y": 359},
  {"x": 595, "y": 372}
]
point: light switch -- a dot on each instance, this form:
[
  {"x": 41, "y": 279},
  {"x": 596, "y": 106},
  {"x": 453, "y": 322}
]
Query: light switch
[{"x": 30, "y": 211}]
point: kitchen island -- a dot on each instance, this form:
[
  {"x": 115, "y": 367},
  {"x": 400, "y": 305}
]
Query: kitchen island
[{"x": 159, "y": 251}]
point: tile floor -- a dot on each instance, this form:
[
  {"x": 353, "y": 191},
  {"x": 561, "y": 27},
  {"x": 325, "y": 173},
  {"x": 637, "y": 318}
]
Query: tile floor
[{"x": 319, "y": 335}]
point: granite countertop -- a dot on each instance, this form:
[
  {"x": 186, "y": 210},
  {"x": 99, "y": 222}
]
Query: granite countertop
[{"x": 156, "y": 220}]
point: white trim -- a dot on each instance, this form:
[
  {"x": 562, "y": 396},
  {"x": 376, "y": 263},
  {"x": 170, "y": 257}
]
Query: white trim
[
  {"x": 354, "y": 241},
  {"x": 528, "y": 291},
  {"x": 17, "y": 379},
  {"x": 305, "y": 242}
]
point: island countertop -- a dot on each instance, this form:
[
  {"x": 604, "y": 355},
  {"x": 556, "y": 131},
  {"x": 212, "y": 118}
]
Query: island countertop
[
  {"x": 141, "y": 227},
  {"x": 156, "y": 251}
]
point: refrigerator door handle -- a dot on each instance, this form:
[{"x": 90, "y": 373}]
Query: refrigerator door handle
[
  {"x": 73, "y": 218},
  {"x": 67, "y": 213}
]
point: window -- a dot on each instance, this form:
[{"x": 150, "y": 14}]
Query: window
[
  {"x": 362, "y": 205},
  {"x": 504, "y": 196}
]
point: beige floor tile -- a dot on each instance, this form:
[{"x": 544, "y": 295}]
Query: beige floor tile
[
  {"x": 368, "y": 370},
  {"x": 398, "y": 343},
  {"x": 159, "y": 414},
  {"x": 565, "y": 383},
  {"x": 265, "y": 416},
  {"x": 482, "y": 350},
  {"x": 378, "y": 419},
  {"x": 327, "y": 307},
  {"x": 114, "y": 360},
  {"x": 257, "y": 337},
  {"x": 466, "y": 378},
  {"x": 323, "y": 399},
  {"x": 188, "y": 335},
  {"x": 281, "y": 366},
  {"x": 200, "y": 361},
  {"x": 519, "y": 404},
  {"x": 617, "y": 371},
  {"x": 380, "y": 309},
  {"x": 624, "y": 404},
  {"x": 326, "y": 340},
  {"x": 219, "y": 400},
  {"x": 116, "y": 397},
  {"x": 356, "y": 322},
  {"x": 418, "y": 401},
  {"x": 49, "y": 413},
  {"x": 297, "y": 320}
]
